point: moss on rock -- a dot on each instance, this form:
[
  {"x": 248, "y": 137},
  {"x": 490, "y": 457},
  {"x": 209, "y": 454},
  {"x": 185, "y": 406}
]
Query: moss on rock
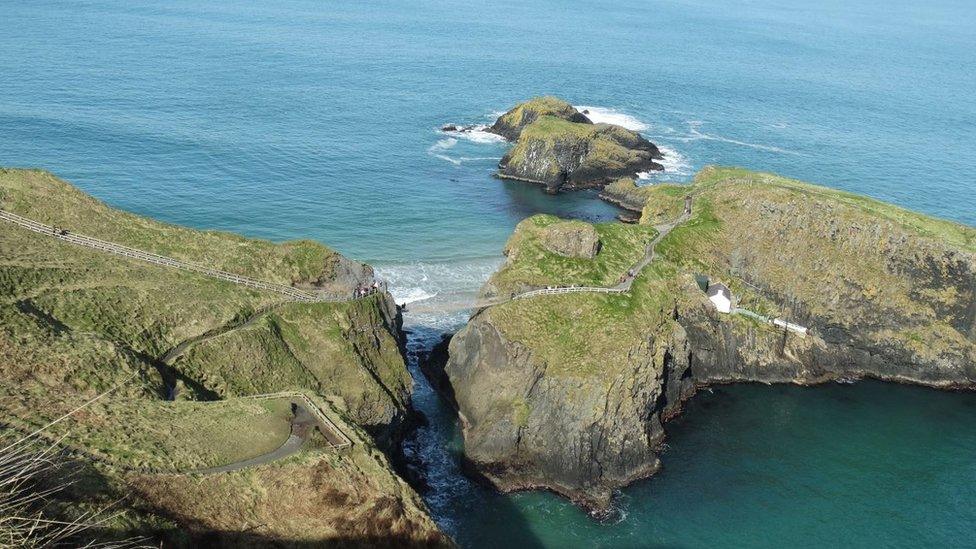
[
  {"x": 561, "y": 154},
  {"x": 510, "y": 124}
]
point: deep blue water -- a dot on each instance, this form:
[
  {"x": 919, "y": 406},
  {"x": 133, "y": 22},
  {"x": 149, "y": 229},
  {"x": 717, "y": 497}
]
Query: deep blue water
[{"x": 298, "y": 119}]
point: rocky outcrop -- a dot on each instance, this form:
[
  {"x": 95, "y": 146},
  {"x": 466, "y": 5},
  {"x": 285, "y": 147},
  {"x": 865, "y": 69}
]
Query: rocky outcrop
[
  {"x": 571, "y": 239},
  {"x": 510, "y": 124},
  {"x": 625, "y": 193},
  {"x": 579, "y": 436},
  {"x": 557, "y": 147},
  {"x": 569, "y": 392}
]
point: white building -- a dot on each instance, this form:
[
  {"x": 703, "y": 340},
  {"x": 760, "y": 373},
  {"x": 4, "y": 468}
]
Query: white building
[{"x": 721, "y": 297}]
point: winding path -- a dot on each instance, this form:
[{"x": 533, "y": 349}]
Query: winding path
[
  {"x": 307, "y": 414},
  {"x": 623, "y": 287},
  {"x": 301, "y": 428}
]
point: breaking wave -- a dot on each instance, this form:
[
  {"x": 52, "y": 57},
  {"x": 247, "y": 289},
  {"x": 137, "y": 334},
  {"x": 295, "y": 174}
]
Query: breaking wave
[
  {"x": 476, "y": 134},
  {"x": 676, "y": 166},
  {"x": 439, "y": 291},
  {"x": 603, "y": 115}
]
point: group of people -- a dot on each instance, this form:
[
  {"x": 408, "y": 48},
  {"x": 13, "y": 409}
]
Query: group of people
[
  {"x": 368, "y": 289},
  {"x": 627, "y": 276}
]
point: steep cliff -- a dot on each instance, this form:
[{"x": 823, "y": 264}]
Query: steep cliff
[
  {"x": 175, "y": 347},
  {"x": 569, "y": 392}
]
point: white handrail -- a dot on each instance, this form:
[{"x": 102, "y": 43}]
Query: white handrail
[
  {"x": 313, "y": 408},
  {"x": 569, "y": 290}
]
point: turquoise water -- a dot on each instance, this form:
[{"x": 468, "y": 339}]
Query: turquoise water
[{"x": 319, "y": 119}]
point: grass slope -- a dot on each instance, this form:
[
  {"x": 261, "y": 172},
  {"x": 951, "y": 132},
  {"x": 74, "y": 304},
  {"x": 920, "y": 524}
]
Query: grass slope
[{"x": 75, "y": 322}]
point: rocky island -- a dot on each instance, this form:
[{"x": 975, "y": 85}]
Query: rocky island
[
  {"x": 559, "y": 148},
  {"x": 174, "y": 363},
  {"x": 571, "y": 392}
]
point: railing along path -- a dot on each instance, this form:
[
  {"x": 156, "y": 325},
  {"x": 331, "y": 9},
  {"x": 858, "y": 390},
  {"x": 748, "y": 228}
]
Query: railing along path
[
  {"x": 326, "y": 423},
  {"x": 149, "y": 257}
]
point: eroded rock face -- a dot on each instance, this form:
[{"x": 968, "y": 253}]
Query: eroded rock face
[
  {"x": 560, "y": 148},
  {"x": 562, "y": 155},
  {"x": 341, "y": 275},
  {"x": 581, "y": 437},
  {"x": 571, "y": 239}
]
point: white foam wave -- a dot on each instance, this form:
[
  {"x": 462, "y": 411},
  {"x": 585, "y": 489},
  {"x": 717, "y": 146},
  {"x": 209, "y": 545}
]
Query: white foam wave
[
  {"x": 676, "y": 166},
  {"x": 439, "y": 149},
  {"x": 443, "y": 287},
  {"x": 476, "y": 134},
  {"x": 404, "y": 296},
  {"x": 602, "y": 115}
]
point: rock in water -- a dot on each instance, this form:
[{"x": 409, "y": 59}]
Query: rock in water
[
  {"x": 558, "y": 147},
  {"x": 510, "y": 124}
]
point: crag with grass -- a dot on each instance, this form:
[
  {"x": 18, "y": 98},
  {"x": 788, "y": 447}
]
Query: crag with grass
[
  {"x": 558, "y": 147},
  {"x": 570, "y": 392},
  {"x": 75, "y": 322}
]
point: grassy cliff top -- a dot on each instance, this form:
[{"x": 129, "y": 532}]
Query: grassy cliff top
[
  {"x": 511, "y": 124},
  {"x": 43, "y": 197},
  {"x": 787, "y": 248},
  {"x": 551, "y": 128},
  {"x": 75, "y": 321},
  {"x": 531, "y": 264},
  {"x": 589, "y": 334},
  {"x": 760, "y": 186}
]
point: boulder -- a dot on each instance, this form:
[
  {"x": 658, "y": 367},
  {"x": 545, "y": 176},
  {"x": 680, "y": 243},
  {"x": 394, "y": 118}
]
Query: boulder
[{"x": 571, "y": 239}]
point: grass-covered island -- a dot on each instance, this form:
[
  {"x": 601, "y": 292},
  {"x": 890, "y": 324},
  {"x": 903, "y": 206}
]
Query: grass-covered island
[
  {"x": 571, "y": 392},
  {"x": 174, "y": 356},
  {"x": 559, "y": 148}
]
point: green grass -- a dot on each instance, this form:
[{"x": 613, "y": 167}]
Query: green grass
[
  {"x": 41, "y": 196},
  {"x": 74, "y": 321},
  {"x": 532, "y": 265},
  {"x": 588, "y": 334},
  {"x": 828, "y": 251},
  {"x": 948, "y": 232},
  {"x": 551, "y": 127}
]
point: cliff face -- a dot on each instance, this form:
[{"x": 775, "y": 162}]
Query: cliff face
[
  {"x": 179, "y": 348},
  {"x": 569, "y": 392},
  {"x": 558, "y": 147},
  {"x": 581, "y": 434},
  {"x": 565, "y": 156}
]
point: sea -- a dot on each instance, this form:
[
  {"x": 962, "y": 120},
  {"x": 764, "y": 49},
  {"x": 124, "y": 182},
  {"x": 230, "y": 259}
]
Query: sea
[{"x": 321, "y": 119}]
